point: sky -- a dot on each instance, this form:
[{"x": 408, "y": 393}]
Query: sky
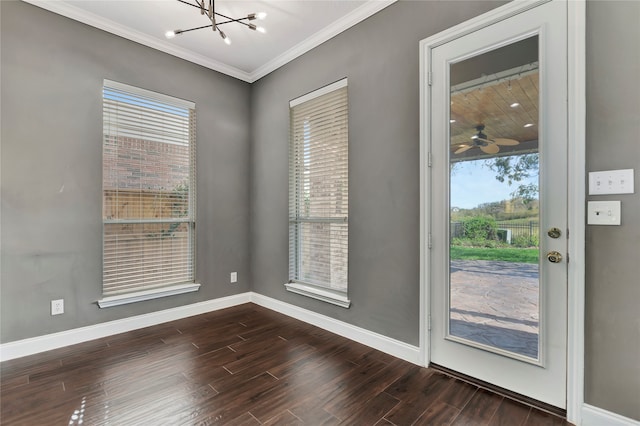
[{"x": 472, "y": 183}]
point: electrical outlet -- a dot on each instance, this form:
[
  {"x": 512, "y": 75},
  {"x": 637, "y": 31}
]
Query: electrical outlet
[
  {"x": 234, "y": 277},
  {"x": 57, "y": 307}
]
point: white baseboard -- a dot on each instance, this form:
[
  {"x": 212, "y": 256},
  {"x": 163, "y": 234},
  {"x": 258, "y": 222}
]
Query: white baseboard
[
  {"x": 594, "y": 416},
  {"x": 48, "y": 342},
  {"x": 377, "y": 341}
]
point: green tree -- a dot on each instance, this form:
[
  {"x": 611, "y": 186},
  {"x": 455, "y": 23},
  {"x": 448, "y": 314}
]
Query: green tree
[{"x": 516, "y": 168}]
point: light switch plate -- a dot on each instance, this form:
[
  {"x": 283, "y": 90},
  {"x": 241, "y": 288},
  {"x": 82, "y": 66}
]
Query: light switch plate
[
  {"x": 603, "y": 213},
  {"x": 611, "y": 182}
]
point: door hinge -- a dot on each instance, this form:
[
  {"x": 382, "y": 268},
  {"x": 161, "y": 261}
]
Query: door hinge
[
  {"x": 567, "y": 257},
  {"x": 429, "y": 322},
  {"x": 429, "y": 240},
  {"x": 429, "y": 159},
  {"x": 429, "y": 78}
]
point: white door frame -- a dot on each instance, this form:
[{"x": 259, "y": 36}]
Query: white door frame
[{"x": 576, "y": 183}]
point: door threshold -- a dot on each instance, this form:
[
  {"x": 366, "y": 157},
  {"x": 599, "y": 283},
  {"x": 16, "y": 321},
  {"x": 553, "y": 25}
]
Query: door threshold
[{"x": 551, "y": 409}]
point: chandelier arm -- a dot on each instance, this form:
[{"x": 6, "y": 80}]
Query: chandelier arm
[
  {"x": 234, "y": 20},
  {"x": 191, "y": 4},
  {"x": 238, "y": 20},
  {"x": 196, "y": 28}
]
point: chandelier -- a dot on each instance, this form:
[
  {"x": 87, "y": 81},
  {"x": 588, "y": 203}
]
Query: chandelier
[{"x": 207, "y": 8}]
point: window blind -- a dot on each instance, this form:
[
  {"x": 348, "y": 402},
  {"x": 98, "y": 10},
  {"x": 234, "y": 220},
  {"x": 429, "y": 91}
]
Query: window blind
[
  {"x": 319, "y": 189},
  {"x": 148, "y": 190}
]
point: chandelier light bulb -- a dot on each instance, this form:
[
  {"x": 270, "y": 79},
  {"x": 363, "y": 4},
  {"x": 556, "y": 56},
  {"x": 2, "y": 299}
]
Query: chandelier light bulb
[
  {"x": 261, "y": 15},
  {"x": 256, "y": 28},
  {"x": 224, "y": 37},
  {"x": 170, "y": 34}
]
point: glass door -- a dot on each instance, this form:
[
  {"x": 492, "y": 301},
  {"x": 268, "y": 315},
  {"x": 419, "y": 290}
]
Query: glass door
[{"x": 498, "y": 207}]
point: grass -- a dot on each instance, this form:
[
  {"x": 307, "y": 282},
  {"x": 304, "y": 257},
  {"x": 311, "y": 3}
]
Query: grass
[{"x": 523, "y": 255}]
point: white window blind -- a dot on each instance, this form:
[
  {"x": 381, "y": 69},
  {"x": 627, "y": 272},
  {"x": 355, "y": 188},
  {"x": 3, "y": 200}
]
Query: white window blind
[
  {"x": 148, "y": 190},
  {"x": 319, "y": 190}
]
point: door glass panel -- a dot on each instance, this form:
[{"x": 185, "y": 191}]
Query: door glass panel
[{"x": 494, "y": 297}]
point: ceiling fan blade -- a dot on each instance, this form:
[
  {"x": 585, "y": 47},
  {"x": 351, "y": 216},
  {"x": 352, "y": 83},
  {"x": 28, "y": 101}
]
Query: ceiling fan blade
[
  {"x": 462, "y": 149},
  {"x": 490, "y": 149},
  {"x": 502, "y": 141}
]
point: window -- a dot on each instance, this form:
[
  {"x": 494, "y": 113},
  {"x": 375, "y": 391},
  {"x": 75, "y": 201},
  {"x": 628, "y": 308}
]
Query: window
[
  {"x": 148, "y": 195},
  {"x": 319, "y": 195}
]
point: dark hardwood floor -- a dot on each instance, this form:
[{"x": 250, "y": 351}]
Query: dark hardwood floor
[{"x": 244, "y": 365}]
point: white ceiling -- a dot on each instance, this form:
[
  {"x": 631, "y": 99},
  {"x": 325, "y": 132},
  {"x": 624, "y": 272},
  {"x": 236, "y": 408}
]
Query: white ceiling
[{"x": 293, "y": 27}]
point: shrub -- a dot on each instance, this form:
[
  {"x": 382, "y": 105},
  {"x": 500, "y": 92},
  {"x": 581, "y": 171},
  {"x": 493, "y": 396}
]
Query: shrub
[
  {"x": 523, "y": 241},
  {"x": 480, "y": 228}
]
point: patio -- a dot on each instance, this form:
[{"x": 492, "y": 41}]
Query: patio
[{"x": 496, "y": 303}]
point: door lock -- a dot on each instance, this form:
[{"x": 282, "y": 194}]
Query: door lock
[
  {"x": 554, "y": 257},
  {"x": 554, "y": 232}
]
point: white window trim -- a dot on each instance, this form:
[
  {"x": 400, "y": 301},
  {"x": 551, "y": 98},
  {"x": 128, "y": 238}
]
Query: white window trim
[
  {"x": 140, "y": 296},
  {"x": 317, "y": 93},
  {"x": 324, "y": 294},
  {"x": 149, "y": 94}
]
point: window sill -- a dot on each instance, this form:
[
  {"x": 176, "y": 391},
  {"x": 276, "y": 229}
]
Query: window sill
[
  {"x": 326, "y": 295},
  {"x": 139, "y": 296}
]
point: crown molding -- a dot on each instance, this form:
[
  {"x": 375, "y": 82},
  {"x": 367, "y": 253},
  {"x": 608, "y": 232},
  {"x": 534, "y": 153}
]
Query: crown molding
[
  {"x": 356, "y": 16},
  {"x": 77, "y": 14}
]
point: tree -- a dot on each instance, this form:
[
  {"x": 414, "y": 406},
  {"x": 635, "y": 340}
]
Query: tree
[{"x": 516, "y": 168}]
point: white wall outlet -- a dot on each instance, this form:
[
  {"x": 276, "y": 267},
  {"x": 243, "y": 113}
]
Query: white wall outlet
[
  {"x": 234, "y": 277},
  {"x": 611, "y": 182},
  {"x": 603, "y": 213},
  {"x": 57, "y": 307}
]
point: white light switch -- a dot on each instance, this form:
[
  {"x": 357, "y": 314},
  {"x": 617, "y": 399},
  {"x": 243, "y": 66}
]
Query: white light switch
[
  {"x": 603, "y": 213},
  {"x": 233, "y": 277},
  {"x": 611, "y": 182}
]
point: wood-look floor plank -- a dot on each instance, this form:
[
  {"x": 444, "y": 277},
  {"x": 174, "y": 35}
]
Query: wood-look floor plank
[
  {"x": 244, "y": 365},
  {"x": 358, "y": 394},
  {"x": 285, "y": 418},
  {"x": 371, "y": 411},
  {"x": 541, "y": 418},
  {"x": 438, "y": 413},
  {"x": 479, "y": 410},
  {"x": 510, "y": 413},
  {"x": 310, "y": 411},
  {"x": 458, "y": 394},
  {"x": 423, "y": 390}
]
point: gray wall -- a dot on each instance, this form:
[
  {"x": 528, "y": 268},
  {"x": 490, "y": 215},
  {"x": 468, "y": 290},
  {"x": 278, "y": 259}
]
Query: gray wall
[
  {"x": 52, "y": 73},
  {"x": 380, "y": 58},
  {"x": 613, "y": 252}
]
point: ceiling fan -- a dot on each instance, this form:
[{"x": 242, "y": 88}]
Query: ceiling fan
[{"x": 488, "y": 146}]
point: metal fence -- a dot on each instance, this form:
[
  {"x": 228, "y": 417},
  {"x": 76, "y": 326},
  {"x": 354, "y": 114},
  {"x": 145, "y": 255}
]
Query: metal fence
[{"x": 528, "y": 230}]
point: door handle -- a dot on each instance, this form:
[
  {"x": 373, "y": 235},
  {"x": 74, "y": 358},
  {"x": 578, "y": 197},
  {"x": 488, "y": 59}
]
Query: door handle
[{"x": 554, "y": 257}]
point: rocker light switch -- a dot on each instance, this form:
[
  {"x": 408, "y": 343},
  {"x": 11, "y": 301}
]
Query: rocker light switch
[{"x": 603, "y": 213}]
